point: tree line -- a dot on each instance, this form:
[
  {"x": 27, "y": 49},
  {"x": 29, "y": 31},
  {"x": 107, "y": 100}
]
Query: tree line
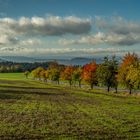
[
  {"x": 10, "y": 67},
  {"x": 109, "y": 73}
]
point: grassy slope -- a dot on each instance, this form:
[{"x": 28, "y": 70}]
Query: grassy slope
[
  {"x": 30, "y": 109},
  {"x": 12, "y": 76}
]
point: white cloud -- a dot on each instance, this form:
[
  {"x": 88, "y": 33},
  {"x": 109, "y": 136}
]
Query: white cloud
[
  {"x": 91, "y": 39},
  {"x": 11, "y": 49},
  {"x": 6, "y": 40},
  {"x": 117, "y": 25},
  {"x": 115, "y": 31},
  {"x": 30, "y": 42},
  {"x": 16, "y": 31},
  {"x": 21, "y": 35},
  {"x": 111, "y": 31},
  {"x": 49, "y": 51},
  {"x": 53, "y": 25},
  {"x": 104, "y": 38}
]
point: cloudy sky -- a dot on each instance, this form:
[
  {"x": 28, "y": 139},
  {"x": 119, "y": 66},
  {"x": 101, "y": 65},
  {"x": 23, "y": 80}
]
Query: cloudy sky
[{"x": 69, "y": 28}]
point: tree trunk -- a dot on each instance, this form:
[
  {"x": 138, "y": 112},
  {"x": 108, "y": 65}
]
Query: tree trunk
[
  {"x": 116, "y": 90},
  {"x": 108, "y": 88},
  {"x": 80, "y": 84},
  {"x": 139, "y": 86},
  {"x": 74, "y": 83},
  {"x": 58, "y": 82},
  {"x": 130, "y": 91},
  {"x": 91, "y": 85},
  {"x": 70, "y": 82}
]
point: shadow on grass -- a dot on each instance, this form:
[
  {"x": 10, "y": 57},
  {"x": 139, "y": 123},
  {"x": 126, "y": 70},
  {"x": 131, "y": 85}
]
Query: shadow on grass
[
  {"x": 4, "y": 96},
  {"x": 54, "y": 91},
  {"x": 25, "y": 87},
  {"x": 18, "y": 94}
]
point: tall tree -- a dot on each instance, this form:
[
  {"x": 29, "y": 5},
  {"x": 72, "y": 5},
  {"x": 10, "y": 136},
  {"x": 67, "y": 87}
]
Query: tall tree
[
  {"x": 107, "y": 73},
  {"x": 42, "y": 75},
  {"x": 36, "y": 73},
  {"x": 54, "y": 74},
  {"x": 89, "y": 73},
  {"x": 133, "y": 76},
  {"x": 77, "y": 75},
  {"x": 67, "y": 74},
  {"x": 129, "y": 61}
]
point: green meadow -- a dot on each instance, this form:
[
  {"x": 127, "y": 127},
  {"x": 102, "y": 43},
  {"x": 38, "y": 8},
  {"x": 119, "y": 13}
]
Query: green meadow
[{"x": 35, "y": 110}]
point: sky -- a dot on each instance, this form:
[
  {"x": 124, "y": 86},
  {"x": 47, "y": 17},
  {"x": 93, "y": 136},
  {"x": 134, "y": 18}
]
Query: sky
[{"x": 69, "y": 28}]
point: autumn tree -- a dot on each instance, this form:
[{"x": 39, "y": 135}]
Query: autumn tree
[
  {"x": 107, "y": 73},
  {"x": 67, "y": 74},
  {"x": 36, "y": 73},
  {"x": 127, "y": 67},
  {"x": 54, "y": 74},
  {"x": 42, "y": 75},
  {"x": 133, "y": 76},
  {"x": 46, "y": 75},
  {"x": 89, "y": 73},
  {"x": 54, "y": 71},
  {"x": 77, "y": 75}
]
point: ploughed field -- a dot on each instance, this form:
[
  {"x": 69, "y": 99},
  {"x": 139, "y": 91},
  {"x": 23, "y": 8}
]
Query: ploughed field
[{"x": 34, "y": 110}]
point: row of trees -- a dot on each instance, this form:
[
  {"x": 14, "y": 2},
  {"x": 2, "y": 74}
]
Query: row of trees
[
  {"x": 6, "y": 67},
  {"x": 109, "y": 73}
]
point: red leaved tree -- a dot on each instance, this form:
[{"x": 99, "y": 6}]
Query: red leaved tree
[
  {"x": 89, "y": 73},
  {"x": 67, "y": 74}
]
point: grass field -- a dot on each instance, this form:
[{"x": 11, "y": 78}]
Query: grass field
[
  {"x": 12, "y": 76},
  {"x": 34, "y": 110}
]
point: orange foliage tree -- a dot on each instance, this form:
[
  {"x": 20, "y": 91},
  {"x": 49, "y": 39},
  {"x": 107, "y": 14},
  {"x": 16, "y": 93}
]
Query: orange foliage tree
[
  {"x": 129, "y": 60},
  {"x": 89, "y": 73},
  {"x": 67, "y": 74}
]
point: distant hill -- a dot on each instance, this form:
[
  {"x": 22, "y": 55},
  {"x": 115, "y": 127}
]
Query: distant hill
[
  {"x": 2, "y": 60},
  {"x": 74, "y": 61},
  {"x": 79, "y": 61},
  {"x": 20, "y": 59}
]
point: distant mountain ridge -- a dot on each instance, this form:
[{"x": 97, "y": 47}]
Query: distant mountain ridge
[
  {"x": 2, "y": 60},
  {"x": 19, "y": 59},
  {"x": 77, "y": 61},
  {"x": 72, "y": 61}
]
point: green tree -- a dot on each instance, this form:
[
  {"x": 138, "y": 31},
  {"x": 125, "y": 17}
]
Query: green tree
[
  {"x": 26, "y": 73},
  {"x": 77, "y": 75},
  {"x": 107, "y": 73},
  {"x": 54, "y": 74}
]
